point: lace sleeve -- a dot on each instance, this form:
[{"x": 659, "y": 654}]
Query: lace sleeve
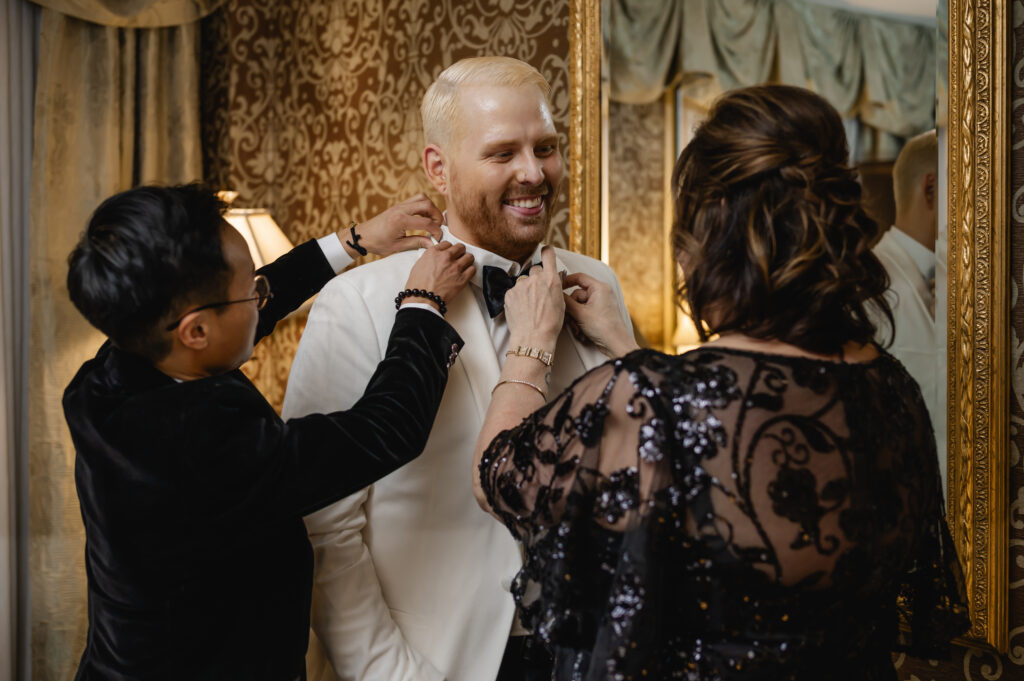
[
  {"x": 570, "y": 483},
  {"x": 582, "y": 449},
  {"x": 932, "y": 603}
]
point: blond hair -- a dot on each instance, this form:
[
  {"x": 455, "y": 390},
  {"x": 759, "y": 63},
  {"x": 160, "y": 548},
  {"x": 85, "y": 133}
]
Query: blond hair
[
  {"x": 440, "y": 111},
  {"x": 920, "y": 155}
]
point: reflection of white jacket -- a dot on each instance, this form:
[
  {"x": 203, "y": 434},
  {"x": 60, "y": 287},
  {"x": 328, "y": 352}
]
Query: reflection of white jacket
[
  {"x": 914, "y": 343},
  {"x": 412, "y": 578}
]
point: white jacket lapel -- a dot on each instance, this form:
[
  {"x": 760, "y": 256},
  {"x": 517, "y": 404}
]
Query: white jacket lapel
[
  {"x": 477, "y": 366},
  {"x": 572, "y": 358}
]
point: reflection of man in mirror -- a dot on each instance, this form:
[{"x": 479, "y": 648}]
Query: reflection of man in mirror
[
  {"x": 412, "y": 580},
  {"x": 907, "y": 251}
]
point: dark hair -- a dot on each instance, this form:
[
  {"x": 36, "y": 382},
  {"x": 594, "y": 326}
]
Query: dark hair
[
  {"x": 144, "y": 252},
  {"x": 769, "y": 224}
]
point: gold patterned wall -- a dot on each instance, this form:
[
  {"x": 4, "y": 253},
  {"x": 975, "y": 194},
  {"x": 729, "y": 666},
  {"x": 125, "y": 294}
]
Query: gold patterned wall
[
  {"x": 312, "y": 107},
  {"x": 636, "y": 190}
]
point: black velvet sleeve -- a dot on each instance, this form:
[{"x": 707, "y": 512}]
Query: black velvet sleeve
[
  {"x": 294, "y": 278},
  {"x": 296, "y": 467}
]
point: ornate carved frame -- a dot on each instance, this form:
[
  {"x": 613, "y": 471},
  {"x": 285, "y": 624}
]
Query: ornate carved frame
[
  {"x": 977, "y": 337},
  {"x": 978, "y": 303},
  {"x": 585, "y": 127}
]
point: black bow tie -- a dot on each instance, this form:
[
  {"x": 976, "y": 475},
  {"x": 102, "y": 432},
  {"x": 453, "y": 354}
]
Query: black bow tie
[{"x": 497, "y": 282}]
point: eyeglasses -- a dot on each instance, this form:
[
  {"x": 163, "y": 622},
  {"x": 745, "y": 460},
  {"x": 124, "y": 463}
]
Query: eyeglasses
[{"x": 263, "y": 294}]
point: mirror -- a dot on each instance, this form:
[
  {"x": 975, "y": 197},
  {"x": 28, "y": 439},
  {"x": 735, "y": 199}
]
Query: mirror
[{"x": 972, "y": 301}]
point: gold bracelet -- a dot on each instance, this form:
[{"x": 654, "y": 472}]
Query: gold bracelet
[
  {"x": 522, "y": 382},
  {"x": 535, "y": 353}
]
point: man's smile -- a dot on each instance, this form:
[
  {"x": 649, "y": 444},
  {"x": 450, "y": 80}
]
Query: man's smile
[{"x": 527, "y": 205}]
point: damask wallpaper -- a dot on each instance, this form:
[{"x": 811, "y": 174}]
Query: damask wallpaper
[
  {"x": 312, "y": 107},
  {"x": 636, "y": 192},
  {"x": 969, "y": 664}
]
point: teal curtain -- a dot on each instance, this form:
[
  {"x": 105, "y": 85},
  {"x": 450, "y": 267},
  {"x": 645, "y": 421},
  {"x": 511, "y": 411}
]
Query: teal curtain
[{"x": 878, "y": 70}]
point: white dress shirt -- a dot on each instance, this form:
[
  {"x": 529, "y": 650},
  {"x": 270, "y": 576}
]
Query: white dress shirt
[
  {"x": 498, "y": 326},
  {"x": 335, "y": 252},
  {"x": 923, "y": 257}
]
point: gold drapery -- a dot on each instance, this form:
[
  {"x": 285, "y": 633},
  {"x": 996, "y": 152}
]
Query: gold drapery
[
  {"x": 115, "y": 107},
  {"x": 134, "y": 13}
]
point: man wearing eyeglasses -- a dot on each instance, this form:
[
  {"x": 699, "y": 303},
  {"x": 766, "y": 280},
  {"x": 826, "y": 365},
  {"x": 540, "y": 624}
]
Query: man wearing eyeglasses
[{"x": 192, "y": 489}]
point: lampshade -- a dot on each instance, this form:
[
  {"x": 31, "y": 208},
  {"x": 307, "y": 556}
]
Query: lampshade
[{"x": 265, "y": 239}]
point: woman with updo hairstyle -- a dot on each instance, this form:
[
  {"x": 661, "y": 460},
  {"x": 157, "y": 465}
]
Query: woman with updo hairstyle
[
  {"x": 766, "y": 506},
  {"x": 769, "y": 226}
]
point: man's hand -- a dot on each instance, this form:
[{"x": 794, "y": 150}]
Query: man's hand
[
  {"x": 386, "y": 233},
  {"x": 595, "y": 317},
  {"x": 443, "y": 269}
]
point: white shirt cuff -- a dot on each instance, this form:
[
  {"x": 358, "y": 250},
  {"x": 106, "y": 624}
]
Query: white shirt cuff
[
  {"x": 336, "y": 255},
  {"x": 423, "y": 306}
]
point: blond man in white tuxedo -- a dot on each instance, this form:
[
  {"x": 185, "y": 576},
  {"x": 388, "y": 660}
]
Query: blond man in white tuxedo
[
  {"x": 412, "y": 580},
  {"x": 907, "y": 251}
]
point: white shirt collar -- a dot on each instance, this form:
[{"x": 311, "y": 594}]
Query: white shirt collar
[
  {"x": 483, "y": 257},
  {"x": 923, "y": 258}
]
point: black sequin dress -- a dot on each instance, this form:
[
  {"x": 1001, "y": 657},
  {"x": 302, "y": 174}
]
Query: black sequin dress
[{"x": 728, "y": 514}]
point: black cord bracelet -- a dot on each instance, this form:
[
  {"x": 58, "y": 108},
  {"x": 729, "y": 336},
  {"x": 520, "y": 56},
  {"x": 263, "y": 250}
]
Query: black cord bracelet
[
  {"x": 355, "y": 240},
  {"x": 420, "y": 293}
]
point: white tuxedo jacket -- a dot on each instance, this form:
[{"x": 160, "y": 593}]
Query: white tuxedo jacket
[
  {"x": 412, "y": 578},
  {"x": 914, "y": 343}
]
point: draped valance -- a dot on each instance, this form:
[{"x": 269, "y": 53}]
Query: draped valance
[
  {"x": 879, "y": 70},
  {"x": 134, "y": 13}
]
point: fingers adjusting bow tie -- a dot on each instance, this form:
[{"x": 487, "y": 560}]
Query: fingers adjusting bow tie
[{"x": 497, "y": 282}]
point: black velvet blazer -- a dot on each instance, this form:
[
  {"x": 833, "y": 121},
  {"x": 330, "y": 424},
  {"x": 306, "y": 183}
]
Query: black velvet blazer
[{"x": 193, "y": 493}]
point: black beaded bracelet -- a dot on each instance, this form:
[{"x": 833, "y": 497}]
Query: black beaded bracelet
[{"x": 420, "y": 293}]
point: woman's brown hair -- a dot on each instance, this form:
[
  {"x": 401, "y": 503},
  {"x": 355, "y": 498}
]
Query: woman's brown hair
[{"x": 769, "y": 226}]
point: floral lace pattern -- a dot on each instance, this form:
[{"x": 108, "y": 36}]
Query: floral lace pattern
[{"x": 729, "y": 515}]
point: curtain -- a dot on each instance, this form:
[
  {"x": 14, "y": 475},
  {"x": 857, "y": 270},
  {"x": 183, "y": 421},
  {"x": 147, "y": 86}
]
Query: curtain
[
  {"x": 134, "y": 13},
  {"x": 115, "y": 107},
  {"x": 878, "y": 70},
  {"x": 17, "y": 74}
]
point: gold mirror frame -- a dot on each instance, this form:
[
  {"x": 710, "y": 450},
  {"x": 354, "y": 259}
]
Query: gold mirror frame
[
  {"x": 585, "y": 127},
  {"x": 977, "y": 337},
  {"x": 978, "y": 277}
]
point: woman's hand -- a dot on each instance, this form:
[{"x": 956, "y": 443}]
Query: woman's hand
[
  {"x": 535, "y": 306},
  {"x": 385, "y": 234},
  {"x": 535, "y": 311},
  {"x": 443, "y": 269},
  {"x": 594, "y": 314}
]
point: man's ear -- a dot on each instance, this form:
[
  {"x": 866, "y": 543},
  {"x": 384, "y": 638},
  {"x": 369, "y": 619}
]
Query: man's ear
[
  {"x": 930, "y": 187},
  {"x": 436, "y": 166},
  {"x": 192, "y": 332}
]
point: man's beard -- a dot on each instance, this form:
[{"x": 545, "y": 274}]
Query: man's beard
[{"x": 497, "y": 231}]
